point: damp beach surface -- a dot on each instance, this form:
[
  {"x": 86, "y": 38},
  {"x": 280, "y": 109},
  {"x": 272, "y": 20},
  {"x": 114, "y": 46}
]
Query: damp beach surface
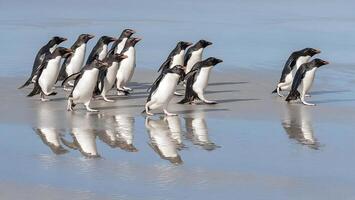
[{"x": 251, "y": 145}]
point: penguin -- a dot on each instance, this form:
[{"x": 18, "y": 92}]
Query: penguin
[
  {"x": 84, "y": 84},
  {"x": 48, "y": 73},
  {"x": 161, "y": 142},
  {"x": 162, "y": 90},
  {"x": 176, "y": 56},
  {"x": 198, "y": 81},
  {"x": 119, "y": 44},
  {"x": 125, "y": 127},
  {"x": 292, "y": 64},
  {"x": 46, "y": 49},
  {"x": 100, "y": 49},
  {"x": 304, "y": 79},
  {"x": 108, "y": 77},
  {"x": 194, "y": 54},
  {"x": 127, "y": 66},
  {"x": 74, "y": 62}
]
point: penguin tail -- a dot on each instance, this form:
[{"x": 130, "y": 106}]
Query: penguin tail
[
  {"x": 26, "y": 83},
  {"x": 294, "y": 95},
  {"x": 36, "y": 90},
  {"x": 273, "y": 92},
  {"x": 183, "y": 101},
  {"x": 143, "y": 112}
]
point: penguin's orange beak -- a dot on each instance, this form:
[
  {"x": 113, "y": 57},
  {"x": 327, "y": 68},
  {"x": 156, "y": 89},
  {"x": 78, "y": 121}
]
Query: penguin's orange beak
[
  {"x": 325, "y": 62},
  {"x": 318, "y": 51}
]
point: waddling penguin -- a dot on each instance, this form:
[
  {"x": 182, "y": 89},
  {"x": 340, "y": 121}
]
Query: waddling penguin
[
  {"x": 74, "y": 62},
  {"x": 304, "y": 79},
  {"x": 297, "y": 58},
  {"x": 46, "y": 49},
  {"x": 194, "y": 54},
  {"x": 119, "y": 44},
  {"x": 48, "y": 73},
  {"x": 198, "y": 81},
  {"x": 108, "y": 77},
  {"x": 127, "y": 66},
  {"x": 100, "y": 49},
  {"x": 84, "y": 85},
  {"x": 162, "y": 90},
  {"x": 176, "y": 56}
]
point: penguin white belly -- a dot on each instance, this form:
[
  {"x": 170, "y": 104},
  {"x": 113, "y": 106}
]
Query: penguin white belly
[
  {"x": 202, "y": 79},
  {"x": 307, "y": 81},
  {"x": 76, "y": 61},
  {"x": 178, "y": 59},
  {"x": 103, "y": 53},
  {"x": 165, "y": 90},
  {"x": 120, "y": 46},
  {"x": 84, "y": 89},
  {"x": 51, "y": 136},
  {"x": 301, "y": 60},
  {"x": 49, "y": 76},
  {"x": 111, "y": 76},
  {"x": 196, "y": 56},
  {"x": 127, "y": 66}
]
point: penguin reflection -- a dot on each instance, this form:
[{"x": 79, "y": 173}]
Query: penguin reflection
[
  {"x": 83, "y": 134},
  {"x": 160, "y": 140},
  {"x": 119, "y": 132},
  {"x": 47, "y": 129},
  {"x": 197, "y": 131},
  {"x": 174, "y": 124},
  {"x": 298, "y": 125}
]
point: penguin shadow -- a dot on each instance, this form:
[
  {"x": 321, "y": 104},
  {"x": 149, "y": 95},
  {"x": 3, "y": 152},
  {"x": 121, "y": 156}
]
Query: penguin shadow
[
  {"x": 298, "y": 125},
  {"x": 116, "y": 107},
  {"x": 333, "y": 101},
  {"x": 161, "y": 140},
  {"x": 228, "y": 83},
  {"x": 221, "y": 91},
  {"x": 329, "y": 92},
  {"x": 136, "y": 85},
  {"x": 59, "y": 99},
  {"x": 235, "y": 100},
  {"x": 202, "y": 110}
]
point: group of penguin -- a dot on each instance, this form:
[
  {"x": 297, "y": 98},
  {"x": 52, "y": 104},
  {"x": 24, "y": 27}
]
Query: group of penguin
[
  {"x": 104, "y": 69},
  {"x": 298, "y": 74}
]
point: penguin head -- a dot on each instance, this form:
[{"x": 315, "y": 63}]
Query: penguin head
[
  {"x": 100, "y": 64},
  {"x": 131, "y": 42},
  {"x": 107, "y": 39},
  {"x": 62, "y": 51},
  {"x": 127, "y": 33},
  {"x": 114, "y": 58},
  {"x": 319, "y": 62},
  {"x": 183, "y": 45},
  {"x": 309, "y": 52},
  {"x": 204, "y": 43},
  {"x": 211, "y": 61},
  {"x": 56, "y": 40},
  {"x": 84, "y": 38}
]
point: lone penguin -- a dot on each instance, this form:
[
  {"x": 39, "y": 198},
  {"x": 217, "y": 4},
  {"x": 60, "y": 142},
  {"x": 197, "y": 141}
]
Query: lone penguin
[
  {"x": 75, "y": 61},
  {"x": 119, "y": 44},
  {"x": 46, "y": 49},
  {"x": 100, "y": 49},
  {"x": 127, "y": 66},
  {"x": 292, "y": 64},
  {"x": 108, "y": 77},
  {"x": 304, "y": 79},
  {"x": 84, "y": 84},
  {"x": 162, "y": 90},
  {"x": 194, "y": 54},
  {"x": 198, "y": 81},
  {"x": 48, "y": 73}
]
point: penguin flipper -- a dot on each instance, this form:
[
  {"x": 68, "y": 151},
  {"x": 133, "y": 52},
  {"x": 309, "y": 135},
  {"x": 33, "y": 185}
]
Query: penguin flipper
[
  {"x": 62, "y": 73},
  {"x": 36, "y": 90},
  {"x": 289, "y": 65},
  {"x": 71, "y": 77},
  {"x": 165, "y": 65},
  {"x": 26, "y": 83},
  {"x": 294, "y": 94},
  {"x": 273, "y": 92}
]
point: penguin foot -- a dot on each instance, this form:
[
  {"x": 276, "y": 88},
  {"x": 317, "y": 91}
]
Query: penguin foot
[
  {"x": 127, "y": 89},
  {"x": 149, "y": 113},
  {"x": 109, "y": 100},
  {"x": 68, "y": 89},
  {"x": 44, "y": 99},
  {"x": 169, "y": 114},
  {"x": 308, "y": 104},
  {"x": 69, "y": 105},
  {"x": 209, "y": 102},
  {"x": 307, "y": 95},
  {"x": 91, "y": 110},
  {"x": 178, "y": 94}
]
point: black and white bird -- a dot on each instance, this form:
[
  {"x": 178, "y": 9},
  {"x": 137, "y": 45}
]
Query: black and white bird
[
  {"x": 48, "y": 73},
  {"x": 119, "y": 44},
  {"x": 176, "y": 56},
  {"x": 84, "y": 84},
  {"x": 46, "y": 49},
  {"x": 108, "y": 77},
  {"x": 303, "y": 80},
  {"x": 100, "y": 49},
  {"x": 194, "y": 54},
  {"x": 198, "y": 81},
  {"x": 292, "y": 64},
  {"x": 127, "y": 66},
  {"x": 162, "y": 90},
  {"x": 75, "y": 61}
]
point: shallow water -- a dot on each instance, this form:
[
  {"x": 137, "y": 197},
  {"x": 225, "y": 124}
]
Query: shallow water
[{"x": 299, "y": 155}]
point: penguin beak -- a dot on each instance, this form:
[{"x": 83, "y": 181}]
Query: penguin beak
[
  {"x": 132, "y": 31},
  {"x": 113, "y": 39},
  {"x": 90, "y": 36},
  {"x": 317, "y": 51},
  {"x": 209, "y": 43},
  {"x": 188, "y": 44},
  {"x": 137, "y": 39},
  {"x": 218, "y": 61},
  {"x": 63, "y": 39},
  {"x": 123, "y": 57},
  {"x": 325, "y": 62}
]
